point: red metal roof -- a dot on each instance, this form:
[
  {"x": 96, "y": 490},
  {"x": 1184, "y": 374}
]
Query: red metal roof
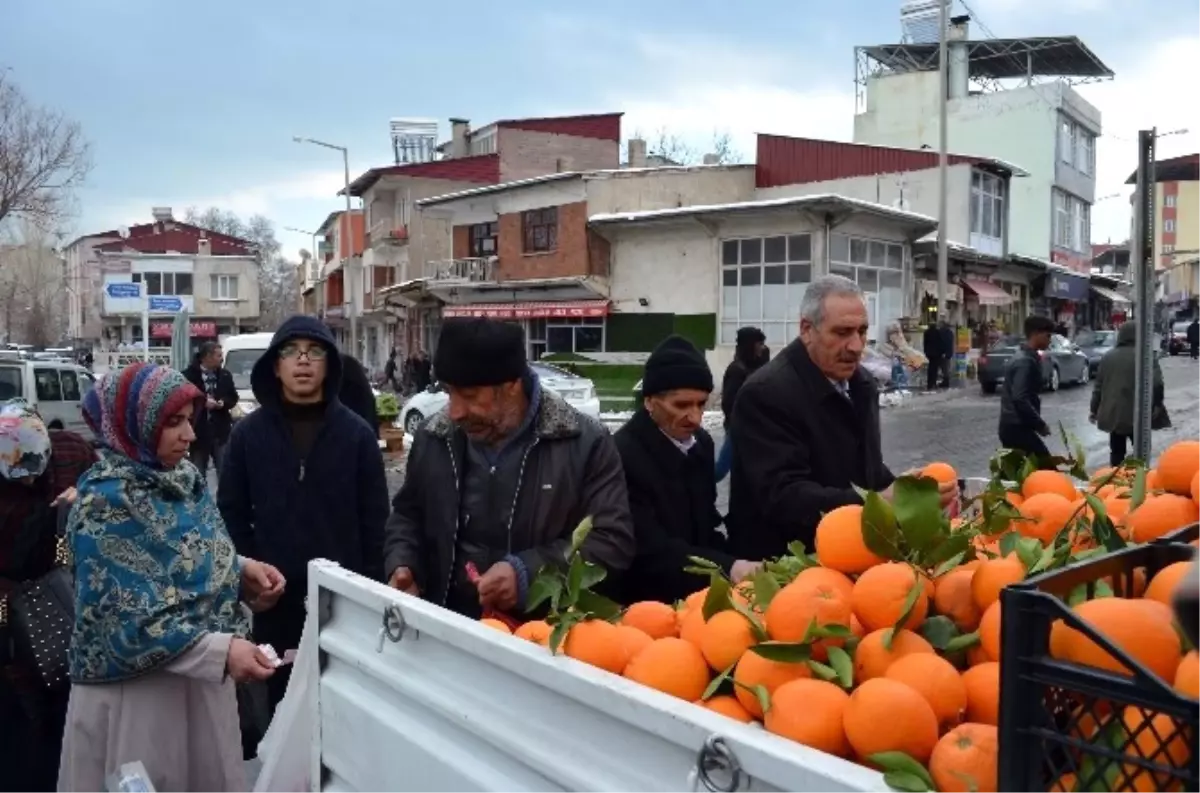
[
  {"x": 602, "y": 126},
  {"x": 183, "y": 238},
  {"x": 481, "y": 169},
  {"x": 783, "y": 160}
]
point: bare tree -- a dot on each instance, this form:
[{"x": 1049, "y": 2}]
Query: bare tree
[
  {"x": 43, "y": 158},
  {"x": 32, "y": 288},
  {"x": 669, "y": 148},
  {"x": 278, "y": 289},
  {"x": 723, "y": 149}
]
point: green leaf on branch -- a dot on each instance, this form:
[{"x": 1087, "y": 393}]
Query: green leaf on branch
[
  {"x": 959, "y": 643},
  {"x": 765, "y": 588},
  {"x": 881, "y": 532},
  {"x": 948, "y": 565},
  {"x": 698, "y": 561},
  {"x": 822, "y": 671},
  {"x": 841, "y": 662},
  {"x": 783, "y": 652},
  {"x": 597, "y": 606},
  {"x": 760, "y": 693},
  {"x": 1008, "y": 543},
  {"x": 939, "y": 631},
  {"x": 562, "y": 625},
  {"x": 918, "y": 510},
  {"x": 1029, "y": 550},
  {"x": 1138, "y": 496},
  {"x": 546, "y": 586},
  {"x": 910, "y": 772},
  {"x": 815, "y": 631},
  {"x": 580, "y": 535},
  {"x": 718, "y": 598},
  {"x": 717, "y": 682},
  {"x": 1044, "y": 561},
  {"x": 904, "y": 781},
  {"x": 756, "y": 626},
  {"x": 948, "y": 553}
]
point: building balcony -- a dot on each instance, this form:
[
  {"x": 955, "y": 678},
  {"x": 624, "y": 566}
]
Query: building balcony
[
  {"x": 480, "y": 269},
  {"x": 387, "y": 233}
]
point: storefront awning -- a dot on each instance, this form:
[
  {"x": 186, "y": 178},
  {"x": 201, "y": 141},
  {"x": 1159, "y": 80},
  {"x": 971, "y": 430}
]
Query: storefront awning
[
  {"x": 562, "y": 310},
  {"x": 988, "y": 293},
  {"x": 1110, "y": 295}
]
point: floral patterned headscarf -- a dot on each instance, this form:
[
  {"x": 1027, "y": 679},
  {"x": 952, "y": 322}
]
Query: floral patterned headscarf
[{"x": 24, "y": 441}]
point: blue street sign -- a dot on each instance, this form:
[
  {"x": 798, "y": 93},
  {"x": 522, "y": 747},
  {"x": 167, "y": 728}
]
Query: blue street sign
[
  {"x": 166, "y": 304},
  {"x": 123, "y": 289}
]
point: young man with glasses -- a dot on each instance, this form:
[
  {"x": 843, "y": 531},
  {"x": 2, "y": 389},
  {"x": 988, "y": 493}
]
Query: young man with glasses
[{"x": 303, "y": 478}]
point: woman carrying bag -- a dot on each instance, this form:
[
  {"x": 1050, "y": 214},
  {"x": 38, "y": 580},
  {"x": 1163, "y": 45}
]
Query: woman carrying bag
[
  {"x": 159, "y": 635},
  {"x": 38, "y": 471}
]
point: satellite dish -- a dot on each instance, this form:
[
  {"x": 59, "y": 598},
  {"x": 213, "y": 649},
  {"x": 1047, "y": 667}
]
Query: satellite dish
[{"x": 123, "y": 231}]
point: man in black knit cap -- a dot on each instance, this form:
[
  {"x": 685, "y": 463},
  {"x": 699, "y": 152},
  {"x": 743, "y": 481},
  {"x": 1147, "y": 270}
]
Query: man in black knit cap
[
  {"x": 671, "y": 477},
  {"x": 499, "y": 479}
]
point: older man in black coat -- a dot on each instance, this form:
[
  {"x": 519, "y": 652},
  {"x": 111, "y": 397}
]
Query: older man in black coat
[{"x": 670, "y": 475}]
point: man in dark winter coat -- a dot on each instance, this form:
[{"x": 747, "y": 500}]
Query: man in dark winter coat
[
  {"x": 1112, "y": 404},
  {"x": 749, "y": 354},
  {"x": 935, "y": 351},
  {"x": 303, "y": 478},
  {"x": 213, "y": 422},
  {"x": 806, "y": 428},
  {"x": 1193, "y": 337},
  {"x": 356, "y": 392},
  {"x": 1021, "y": 424},
  {"x": 668, "y": 462},
  {"x": 500, "y": 478}
]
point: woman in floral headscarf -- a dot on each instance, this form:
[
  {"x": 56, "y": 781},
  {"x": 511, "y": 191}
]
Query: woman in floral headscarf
[
  {"x": 158, "y": 639},
  {"x": 38, "y": 470}
]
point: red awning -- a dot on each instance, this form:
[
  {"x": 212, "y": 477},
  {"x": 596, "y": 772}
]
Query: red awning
[
  {"x": 988, "y": 293},
  {"x": 563, "y": 309}
]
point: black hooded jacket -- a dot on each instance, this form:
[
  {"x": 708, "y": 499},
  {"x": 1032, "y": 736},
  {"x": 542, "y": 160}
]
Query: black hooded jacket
[
  {"x": 745, "y": 362},
  {"x": 285, "y": 511}
]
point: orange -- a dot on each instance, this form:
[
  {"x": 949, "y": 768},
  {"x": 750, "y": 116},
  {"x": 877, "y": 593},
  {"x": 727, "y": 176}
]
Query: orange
[
  {"x": 695, "y": 600},
  {"x": 1046, "y": 515},
  {"x": 1141, "y": 628},
  {"x": 880, "y": 592},
  {"x": 1166, "y": 581},
  {"x": 727, "y": 706},
  {"x": 1067, "y": 783},
  {"x": 1049, "y": 482},
  {"x": 983, "y": 693},
  {"x": 800, "y": 604},
  {"x": 536, "y": 631},
  {"x": 888, "y": 716},
  {"x": 1117, "y": 509},
  {"x": 810, "y": 712},
  {"x": 839, "y": 541},
  {"x": 952, "y": 598},
  {"x": 754, "y": 670},
  {"x": 632, "y": 639},
  {"x": 724, "y": 638},
  {"x": 656, "y": 620},
  {"x": 872, "y": 660},
  {"x": 976, "y": 656},
  {"x": 1159, "y": 515},
  {"x": 992, "y": 576},
  {"x": 1152, "y": 744},
  {"x": 818, "y": 576},
  {"x": 598, "y": 643},
  {"x": 1187, "y": 675},
  {"x": 1153, "y": 480},
  {"x": 1104, "y": 475},
  {"x": 989, "y": 632},
  {"x": 856, "y": 627},
  {"x": 692, "y": 627},
  {"x": 966, "y": 759},
  {"x": 495, "y": 624},
  {"x": 935, "y": 679},
  {"x": 1195, "y": 488},
  {"x": 672, "y": 666},
  {"x": 1178, "y": 466},
  {"x": 940, "y": 473}
]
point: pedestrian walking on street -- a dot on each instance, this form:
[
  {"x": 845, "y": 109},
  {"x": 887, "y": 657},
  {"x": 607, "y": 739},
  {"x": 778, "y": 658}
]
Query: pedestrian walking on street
[
  {"x": 389, "y": 371},
  {"x": 948, "y": 345},
  {"x": 214, "y": 420},
  {"x": 669, "y": 472},
  {"x": 806, "y": 428},
  {"x": 1112, "y": 406},
  {"x": 38, "y": 473},
  {"x": 160, "y": 634},
  {"x": 1193, "y": 337},
  {"x": 303, "y": 478},
  {"x": 934, "y": 347},
  {"x": 500, "y": 478},
  {"x": 749, "y": 354},
  {"x": 420, "y": 372},
  {"x": 1021, "y": 423}
]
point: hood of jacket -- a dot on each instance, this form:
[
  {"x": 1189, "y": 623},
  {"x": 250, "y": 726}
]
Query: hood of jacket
[
  {"x": 264, "y": 383},
  {"x": 1126, "y": 334}
]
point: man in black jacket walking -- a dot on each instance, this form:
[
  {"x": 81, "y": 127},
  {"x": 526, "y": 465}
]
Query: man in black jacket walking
[
  {"x": 749, "y": 355},
  {"x": 668, "y": 462},
  {"x": 303, "y": 478},
  {"x": 935, "y": 351},
  {"x": 500, "y": 478},
  {"x": 213, "y": 422},
  {"x": 1021, "y": 423}
]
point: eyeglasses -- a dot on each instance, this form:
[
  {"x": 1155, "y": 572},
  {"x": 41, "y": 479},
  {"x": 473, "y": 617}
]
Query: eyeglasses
[{"x": 314, "y": 353}]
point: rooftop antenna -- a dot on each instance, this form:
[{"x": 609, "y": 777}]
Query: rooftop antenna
[{"x": 919, "y": 20}]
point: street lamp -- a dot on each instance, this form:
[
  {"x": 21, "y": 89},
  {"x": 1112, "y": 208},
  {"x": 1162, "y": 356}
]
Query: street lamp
[{"x": 350, "y": 269}]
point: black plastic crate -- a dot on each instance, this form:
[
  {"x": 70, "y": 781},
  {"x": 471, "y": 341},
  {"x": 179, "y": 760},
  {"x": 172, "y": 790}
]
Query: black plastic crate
[{"x": 1064, "y": 726}]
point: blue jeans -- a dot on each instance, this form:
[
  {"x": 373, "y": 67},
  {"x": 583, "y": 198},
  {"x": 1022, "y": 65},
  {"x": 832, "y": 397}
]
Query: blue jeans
[{"x": 724, "y": 458}]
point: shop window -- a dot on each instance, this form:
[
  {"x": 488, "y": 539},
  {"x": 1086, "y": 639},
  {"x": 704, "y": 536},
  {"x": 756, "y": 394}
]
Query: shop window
[
  {"x": 877, "y": 266},
  {"x": 763, "y": 280},
  {"x": 540, "y": 228},
  {"x": 571, "y": 335}
]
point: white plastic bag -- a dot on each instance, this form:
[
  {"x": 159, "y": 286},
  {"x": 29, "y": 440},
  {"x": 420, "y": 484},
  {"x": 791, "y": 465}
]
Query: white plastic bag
[{"x": 286, "y": 749}]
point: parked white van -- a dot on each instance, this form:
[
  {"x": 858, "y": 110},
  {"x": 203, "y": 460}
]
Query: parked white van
[
  {"x": 241, "y": 353},
  {"x": 54, "y": 388}
]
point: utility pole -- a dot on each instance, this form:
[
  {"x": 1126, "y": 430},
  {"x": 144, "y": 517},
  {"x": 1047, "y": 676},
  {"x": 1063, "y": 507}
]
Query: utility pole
[
  {"x": 1144, "y": 282},
  {"x": 943, "y": 254}
]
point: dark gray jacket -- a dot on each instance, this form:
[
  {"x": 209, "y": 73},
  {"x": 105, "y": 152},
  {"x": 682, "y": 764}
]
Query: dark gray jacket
[
  {"x": 1020, "y": 396},
  {"x": 1112, "y": 395},
  {"x": 571, "y": 469}
]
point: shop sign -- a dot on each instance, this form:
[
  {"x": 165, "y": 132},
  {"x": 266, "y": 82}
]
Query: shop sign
[
  {"x": 1063, "y": 286},
  {"x": 201, "y": 328},
  {"x": 927, "y": 287}
]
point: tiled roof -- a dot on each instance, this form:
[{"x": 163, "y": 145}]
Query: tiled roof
[
  {"x": 482, "y": 169},
  {"x": 181, "y": 238}
]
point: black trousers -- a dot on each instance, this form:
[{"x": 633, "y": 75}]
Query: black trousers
[
  {"x": 202, "y": 454},
  {"x": 1028, "y": 441},
  {"x": 33, "y": 722},
  {"x": 932, "y": 371},
  {"x": 1118, "y": 446}
]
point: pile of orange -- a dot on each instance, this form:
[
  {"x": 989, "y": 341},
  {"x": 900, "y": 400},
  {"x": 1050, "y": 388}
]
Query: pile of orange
[{"x": 941, "y": 709}]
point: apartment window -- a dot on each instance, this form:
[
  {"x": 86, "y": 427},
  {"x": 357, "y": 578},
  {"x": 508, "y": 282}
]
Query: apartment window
[
  {"x": 763, "y": 280},
  {"x": 223, "y": 287},
  {"x": 1169, "y": 226},
  {"x": 540, "y": 227},
  {"x": 1066, "y": 141},
  {"x": 1169, "y": 201},
  {"x": 987, "y": 205},
  {"x": 483, "y": 239},
  {"x": 560, "y": 334},
  {"x": 483, "y": 143},
  {"x": 877, "y": 267},
  {"x": 1076, "y": 146},
  {"x": 165, "y": 283},
  {"x": 1072, "y": 222}
]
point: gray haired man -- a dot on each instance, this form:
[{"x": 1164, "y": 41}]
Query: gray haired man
[{"x": 806, "y": 428}]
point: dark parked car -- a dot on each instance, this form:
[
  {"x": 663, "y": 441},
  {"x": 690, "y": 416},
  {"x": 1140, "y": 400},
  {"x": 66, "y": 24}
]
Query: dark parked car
[
  {"x": 1094, "y": 344},
  {"x": 1062, "y": 363}
]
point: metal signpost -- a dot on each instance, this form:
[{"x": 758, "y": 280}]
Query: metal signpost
[
  {"x": 127, "y": 290},
  {"x": 1144, "y": 283}
]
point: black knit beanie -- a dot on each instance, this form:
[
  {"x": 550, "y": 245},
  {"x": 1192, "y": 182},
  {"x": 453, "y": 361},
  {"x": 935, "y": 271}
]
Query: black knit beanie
[
  {"x": 676, "y": 363},
  {"x": 479, "y": 352}
]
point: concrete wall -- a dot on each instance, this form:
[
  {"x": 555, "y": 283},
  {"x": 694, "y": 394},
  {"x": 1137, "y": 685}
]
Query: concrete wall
[
  {"x": 638, "y": 190},
  {"x": 85, "y": 288},
  {"x": 246, "y": 307},
  {"x": 525, "y": 154}
]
